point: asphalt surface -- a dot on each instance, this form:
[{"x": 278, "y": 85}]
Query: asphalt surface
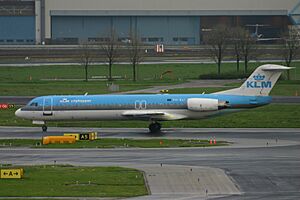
[
  {"x": 262, "y": 163},
  {"x": 286, "y": 99},
  {"x": 190, "y": 84},
  {"x": 23, "y": 100},
  {"x": 16, "y": 100},
  {"x": 155, "y": 60}
]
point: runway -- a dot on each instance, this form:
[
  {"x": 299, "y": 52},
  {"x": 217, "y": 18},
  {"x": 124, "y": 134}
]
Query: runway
[{"x": 261, "y": 164}]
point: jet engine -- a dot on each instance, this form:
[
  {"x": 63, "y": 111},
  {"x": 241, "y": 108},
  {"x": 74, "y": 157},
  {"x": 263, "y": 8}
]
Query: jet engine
[{"x": 202, "y": 104}]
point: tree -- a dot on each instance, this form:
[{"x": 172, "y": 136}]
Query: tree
[
  {"x": 135, "y": 53},
  {"x": 85, "y": 57},
  {"x": 291, "y": 46},
  {"x": 247, "y": 47},
  {"x": 111, "y": 48},
  {"x": 236, "y": 37},
  {"x": 218, "y": 40}
]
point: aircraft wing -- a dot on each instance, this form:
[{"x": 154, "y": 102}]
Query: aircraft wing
[
  {"x": 152, "y": 114},
  {"x": 268, "y": 39}
]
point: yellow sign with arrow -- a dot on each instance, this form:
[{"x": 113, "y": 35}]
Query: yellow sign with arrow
[{"x": 12, "y": 173}]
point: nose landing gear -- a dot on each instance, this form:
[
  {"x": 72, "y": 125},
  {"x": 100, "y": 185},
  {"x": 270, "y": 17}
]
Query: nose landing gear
[{"x": 154, "y": 127}]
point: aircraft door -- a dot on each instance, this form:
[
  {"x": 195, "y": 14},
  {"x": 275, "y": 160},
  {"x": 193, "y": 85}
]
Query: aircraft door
[{"x": 48, "y": 106}]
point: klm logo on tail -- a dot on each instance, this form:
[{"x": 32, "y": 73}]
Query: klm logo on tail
[{"x": 259, "y": 82}]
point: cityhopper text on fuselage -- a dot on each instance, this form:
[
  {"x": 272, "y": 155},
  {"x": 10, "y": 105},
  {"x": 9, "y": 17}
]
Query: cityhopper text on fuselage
[{"x": 154, "y": 108}]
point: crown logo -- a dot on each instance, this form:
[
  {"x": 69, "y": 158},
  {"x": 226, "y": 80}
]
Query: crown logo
[{"x": 259, "y": 77}]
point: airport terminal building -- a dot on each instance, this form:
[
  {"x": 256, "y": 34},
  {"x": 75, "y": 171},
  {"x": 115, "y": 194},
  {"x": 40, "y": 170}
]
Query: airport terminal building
[{"x": 171, "y": 22}]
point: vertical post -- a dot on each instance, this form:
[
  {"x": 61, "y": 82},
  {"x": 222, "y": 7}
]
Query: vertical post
[
  {"x": 37, "y": 21},
  {"x": 43, "y": 21}
]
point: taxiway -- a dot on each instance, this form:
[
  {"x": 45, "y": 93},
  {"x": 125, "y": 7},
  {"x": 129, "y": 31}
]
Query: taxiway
[{"x": 261, "y": 164}]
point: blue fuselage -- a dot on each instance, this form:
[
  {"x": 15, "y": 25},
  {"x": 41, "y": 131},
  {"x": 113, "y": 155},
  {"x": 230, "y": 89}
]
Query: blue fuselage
[
  {"x": 121, "y": 102},
  {"x": 158, "y": 107}
]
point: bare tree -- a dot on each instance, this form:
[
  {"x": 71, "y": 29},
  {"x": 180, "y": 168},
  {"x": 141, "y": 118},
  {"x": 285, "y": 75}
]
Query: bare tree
[
  {"x": 248, "y": 45},
  {"x": 135, "y": 52},
  {"x": 85, "y": 57},
  {"x": 218, "y": 40},
  {"x": 111, "y": 48},
  {"x": 291, "y": 46},
  {"x": 236, "y": 37}
]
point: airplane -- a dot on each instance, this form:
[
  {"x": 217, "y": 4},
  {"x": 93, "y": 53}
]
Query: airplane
[
  {"x": 255, "y": 34},
  {"x": 260, "y": 37},
  {"x": 254, "y": 92}
]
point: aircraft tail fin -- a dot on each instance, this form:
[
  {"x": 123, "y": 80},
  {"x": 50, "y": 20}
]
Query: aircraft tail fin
[{"x": 260, "y": 83}]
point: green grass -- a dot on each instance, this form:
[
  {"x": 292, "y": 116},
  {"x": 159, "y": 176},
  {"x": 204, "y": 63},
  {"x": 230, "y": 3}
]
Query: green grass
[
  {"x": 197, "y": 90},
  {"x": 60, "y": 181},
  {"x": 270, "y": 116},
  {"x": 112, "y": 143},
  {"x": 145, "y": 72},
  {"x": 60, "y": 88},
  {"x": 16, "y": 80}
]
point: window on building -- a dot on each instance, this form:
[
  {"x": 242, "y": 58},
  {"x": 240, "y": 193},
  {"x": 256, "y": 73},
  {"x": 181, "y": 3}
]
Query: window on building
[
  {"x": 155, "y": 39},
  {"x": 183, "y": 39},
  {"x": 93, "y": 39}
]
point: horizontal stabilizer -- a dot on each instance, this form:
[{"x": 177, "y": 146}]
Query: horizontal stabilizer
[{"x": 276, "y": 68}]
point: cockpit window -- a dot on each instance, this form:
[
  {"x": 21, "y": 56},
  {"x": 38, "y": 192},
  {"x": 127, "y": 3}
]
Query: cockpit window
[{"x": 34, "y": 104}]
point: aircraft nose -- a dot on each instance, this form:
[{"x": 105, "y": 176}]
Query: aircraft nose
[{"x": 18, "y": 113}]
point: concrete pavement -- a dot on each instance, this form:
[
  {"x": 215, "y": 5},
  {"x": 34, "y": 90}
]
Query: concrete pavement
[{"x": 171, "y": 181}]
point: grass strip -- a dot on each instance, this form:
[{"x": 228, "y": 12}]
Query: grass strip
[
  {"x": 70, "y": 181},
  {"x": 53, "y": 80},
  {"x": 113, "y": 143}
]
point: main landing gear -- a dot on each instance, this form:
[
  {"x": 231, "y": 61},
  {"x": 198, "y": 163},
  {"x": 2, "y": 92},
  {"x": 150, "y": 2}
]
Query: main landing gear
[
  {"x": 155, "y": 127},
  {"x": 44, "y": 128}
]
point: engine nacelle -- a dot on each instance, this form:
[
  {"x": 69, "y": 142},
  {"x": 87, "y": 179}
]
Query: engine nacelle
[{"x": 202, "y": 104}]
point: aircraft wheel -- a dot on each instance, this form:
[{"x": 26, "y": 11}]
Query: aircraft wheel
[
  {"x": 155, "y": 127},
  {"x": 44, "y": 128}
]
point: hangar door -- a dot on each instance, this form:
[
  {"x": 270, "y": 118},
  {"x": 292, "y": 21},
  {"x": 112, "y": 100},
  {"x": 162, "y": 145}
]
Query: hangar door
[
  {"x": 151, "y": 29},
  {"x": 75, "y": 28},
  {"x": 17, "y": 30},
  {"x": 181, "y": 30}
]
